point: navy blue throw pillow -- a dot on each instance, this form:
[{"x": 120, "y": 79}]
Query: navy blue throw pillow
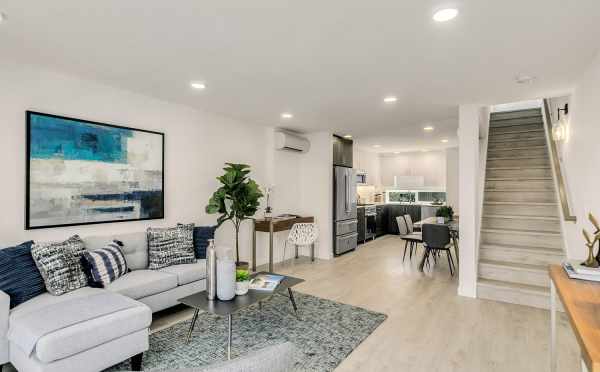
[
  {"x": 201, "y": 236},
  {"x": 19, "y": 276}
]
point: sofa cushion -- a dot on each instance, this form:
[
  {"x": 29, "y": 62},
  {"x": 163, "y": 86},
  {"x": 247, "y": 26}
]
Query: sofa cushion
[
  {"x": 19, "y": 276},
  {"x": 105, "y": 265},
  {"x": 79, "y": 336},
  {"x": 201, "y": 236},
  {"x": 143, "y": 283},
  {"x": 170, "y": 246},
  {"x": 60, "y": 264},
  {"x": 46, "y": 299},
  {"x": 135, "y": 247},
  {"x": 187, "y": 273}
]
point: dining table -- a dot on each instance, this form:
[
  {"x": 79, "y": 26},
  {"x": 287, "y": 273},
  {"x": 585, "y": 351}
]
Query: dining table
[{"x": 452, "y": 226}]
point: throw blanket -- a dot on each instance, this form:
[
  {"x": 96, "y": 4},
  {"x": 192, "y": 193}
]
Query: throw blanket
[{"x": 25, "y": 331}]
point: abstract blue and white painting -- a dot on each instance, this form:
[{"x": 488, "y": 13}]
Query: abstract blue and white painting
[{"x": 82, "y": 172}]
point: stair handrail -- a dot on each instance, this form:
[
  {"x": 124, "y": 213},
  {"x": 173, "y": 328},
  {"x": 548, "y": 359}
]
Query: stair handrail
[{"x": 562, "y": 190}]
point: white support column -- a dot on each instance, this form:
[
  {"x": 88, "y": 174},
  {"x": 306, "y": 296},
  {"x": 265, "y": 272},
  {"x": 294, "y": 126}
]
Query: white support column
[{"x": 468, "y": 176}]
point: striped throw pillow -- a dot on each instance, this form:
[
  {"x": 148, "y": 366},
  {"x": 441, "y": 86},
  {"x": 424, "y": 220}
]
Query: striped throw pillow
[{"x": 105, "y": 265}]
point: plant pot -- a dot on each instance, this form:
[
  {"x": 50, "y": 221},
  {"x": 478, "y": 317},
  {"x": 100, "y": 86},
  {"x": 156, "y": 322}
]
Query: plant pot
[
  {"x": 241, "y": 288},
  {"x": 242, "y": 265},
  {"x": 440, "y": 220}
]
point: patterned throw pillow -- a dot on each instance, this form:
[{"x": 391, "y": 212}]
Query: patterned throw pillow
[
  {"x": 60, "y": 266},
  {"x": 104, "y": 266},
  {"x": 170, "y": 246},
  {"x": 19, "y": 277}
]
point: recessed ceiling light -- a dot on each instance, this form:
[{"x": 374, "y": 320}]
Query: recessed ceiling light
[
  {"x": 444, "y": 15},
  {"x": 424, "y": 150},
  {"x": 376, "y": 146},
  {"x": 286, "y": 115},
  {"x": 444, "y": 141},
  {"x": 198, "y": 85},
  {"x": 390, "y": 99},
  {"x": 524, "y": 79},
  {"x": 348, "y": 136},
  {"x": 428, "y": 128},
  {"x": 396, "y": 152}
]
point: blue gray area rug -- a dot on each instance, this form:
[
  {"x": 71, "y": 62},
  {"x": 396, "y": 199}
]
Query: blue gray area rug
[{"x": 325, "y": 334}]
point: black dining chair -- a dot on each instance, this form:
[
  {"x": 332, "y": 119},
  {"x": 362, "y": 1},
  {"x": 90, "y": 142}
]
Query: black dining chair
[
  {"x": 408, "y": 236},
  {"x": 436, "y": 239}
]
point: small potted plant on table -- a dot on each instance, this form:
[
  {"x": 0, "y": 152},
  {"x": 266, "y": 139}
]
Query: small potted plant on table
[
  {"x": 445, "y": 212},
  {"x": 242, "y": 282}
]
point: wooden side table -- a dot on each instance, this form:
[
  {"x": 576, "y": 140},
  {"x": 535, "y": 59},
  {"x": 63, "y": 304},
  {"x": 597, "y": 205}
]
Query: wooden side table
[
  {"x": 581, "y": 300},
  {"x": 273, "y": 225}
]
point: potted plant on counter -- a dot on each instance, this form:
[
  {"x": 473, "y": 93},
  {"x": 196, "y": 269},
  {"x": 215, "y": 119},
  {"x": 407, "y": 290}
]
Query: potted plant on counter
[
  {"x": 242, "y": 282},
  {"x": 236, "y": 200},
  {"x": 446, "y": 212}
]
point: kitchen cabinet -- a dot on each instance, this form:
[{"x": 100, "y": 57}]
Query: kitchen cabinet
[
  {"x": 362, "y": 224},
  {"x": 342, "y": 152},
  {"x": 381, "y": 221},
  {"x": 395, "y": 210}
]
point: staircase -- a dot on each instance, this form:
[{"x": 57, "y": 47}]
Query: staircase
[{"x": 520, "y": 228}]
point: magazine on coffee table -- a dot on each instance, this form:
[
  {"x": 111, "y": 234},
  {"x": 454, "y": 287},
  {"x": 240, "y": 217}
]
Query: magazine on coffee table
[{"x": 266, "y": 282}]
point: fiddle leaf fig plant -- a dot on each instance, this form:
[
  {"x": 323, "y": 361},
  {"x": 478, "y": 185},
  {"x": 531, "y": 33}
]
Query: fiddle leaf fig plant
[{"x": 236, "y": 200}]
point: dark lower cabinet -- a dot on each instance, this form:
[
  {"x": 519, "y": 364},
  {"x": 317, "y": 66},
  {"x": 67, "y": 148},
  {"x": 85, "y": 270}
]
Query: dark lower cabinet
[
  {"x": 362, "y": 222},
  {"x": 381, "y": 221},
  {"x": 393, "y": 211}
]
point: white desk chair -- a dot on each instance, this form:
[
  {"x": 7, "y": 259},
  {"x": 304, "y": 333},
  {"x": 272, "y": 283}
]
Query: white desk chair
[{"x": 302, "y": 234}]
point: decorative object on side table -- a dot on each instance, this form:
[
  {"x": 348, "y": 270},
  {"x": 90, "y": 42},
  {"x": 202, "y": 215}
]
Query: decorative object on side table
[
  {"x": 446, "y": 212},
  {"x": 237, "y": 200},
  {"x": 268, "y": 209},
  {"x": 225, "y": 276},
  {"x": 242, "y": 282},
  {"x": 211, "y": 270},
  {"x": 591, "y": 260}
]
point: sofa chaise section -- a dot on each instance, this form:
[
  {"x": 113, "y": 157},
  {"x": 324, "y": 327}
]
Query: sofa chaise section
[{"x": 114, "y": 332}]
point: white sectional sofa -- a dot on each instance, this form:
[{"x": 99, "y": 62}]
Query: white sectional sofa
[{"x": 106, "y": 340}]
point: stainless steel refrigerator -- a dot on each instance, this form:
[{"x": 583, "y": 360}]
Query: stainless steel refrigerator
[{"x": 344, "y": 210}]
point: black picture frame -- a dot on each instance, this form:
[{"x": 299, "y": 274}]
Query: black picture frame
[{"x": 28, "y": 225}]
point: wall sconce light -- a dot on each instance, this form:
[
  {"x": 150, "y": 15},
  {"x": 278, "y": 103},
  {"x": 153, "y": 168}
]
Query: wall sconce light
[{"x": 559, "y": 128}]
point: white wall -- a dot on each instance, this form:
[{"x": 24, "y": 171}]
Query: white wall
[
  {"x": 581, "y": 157},
  {"x": 302, "y": 184},
  {"x": 430, "y": 165},
  {"x": 469, "y": 172},
  {"x": 197, "y": 145},
  {"x": 369, "y": 162},
  {"x": 452, "y": 179}
]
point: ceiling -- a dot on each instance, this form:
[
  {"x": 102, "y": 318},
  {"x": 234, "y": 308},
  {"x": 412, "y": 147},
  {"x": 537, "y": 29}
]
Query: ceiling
[{"x": 330, "y": 63}]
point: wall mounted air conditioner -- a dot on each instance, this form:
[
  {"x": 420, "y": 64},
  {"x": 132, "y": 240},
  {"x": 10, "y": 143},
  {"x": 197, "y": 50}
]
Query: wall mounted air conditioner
[{"x": 291, "y": 142}]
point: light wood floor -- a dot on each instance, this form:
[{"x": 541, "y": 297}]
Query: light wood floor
[{"x": 429, "y": 327}]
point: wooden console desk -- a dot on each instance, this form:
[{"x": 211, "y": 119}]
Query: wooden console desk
[
  {"x": 581, "y": 300},
  {"x": 274, "y": 225}
]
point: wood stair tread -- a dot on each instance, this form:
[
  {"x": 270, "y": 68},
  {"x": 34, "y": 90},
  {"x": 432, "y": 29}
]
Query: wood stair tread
[
  {"x": 519, "y": 178},
  {"x": 518, "y": 157},
  {"x": 545, "y": 250},
  {"x": 516, "y": 139},
  {"x": 519, "y": 131},
  {"x": 518, "y": 217},
  {"x": 518, "y": 190},
  {"x": 519, "y": 168},
  {"x": 514, "y": 266},
  {"x": 522, "y": 232},
  {"x": 528, "y": 288},
  {"x": 516, "y": 148},
  {"x": 520, "y": 203}
]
